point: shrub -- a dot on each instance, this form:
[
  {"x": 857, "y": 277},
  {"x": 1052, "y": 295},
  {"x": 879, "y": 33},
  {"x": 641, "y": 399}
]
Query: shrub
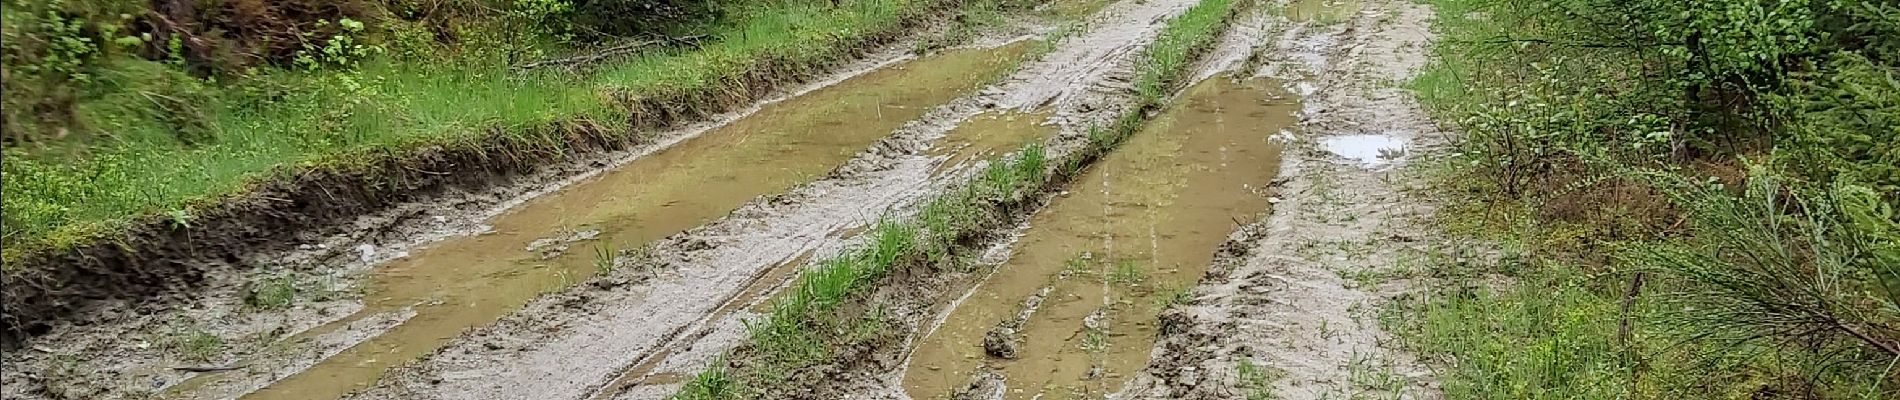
[{"x": 1783, "y": 267}]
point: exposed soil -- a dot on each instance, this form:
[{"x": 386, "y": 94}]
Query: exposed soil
[{"x": 1291, "y": 307}]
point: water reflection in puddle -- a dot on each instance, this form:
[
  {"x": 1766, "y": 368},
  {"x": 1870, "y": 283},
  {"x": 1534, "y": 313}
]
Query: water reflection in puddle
[{"x": 1367, "y": 150}]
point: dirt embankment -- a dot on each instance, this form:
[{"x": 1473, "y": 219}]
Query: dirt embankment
[
  {"x": 161, "y": 261},
  {"x": 1290, "y": 308}
]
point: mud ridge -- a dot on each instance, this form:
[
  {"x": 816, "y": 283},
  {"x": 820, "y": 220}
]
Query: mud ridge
[
  {"x": 157, "y": 261},
  {"x": 1288, "y": 309}
]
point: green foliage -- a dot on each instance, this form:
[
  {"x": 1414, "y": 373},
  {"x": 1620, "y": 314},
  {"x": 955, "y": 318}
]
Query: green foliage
[
  {"x": 605, "y": 258},
  {"x": 1257, "y": 381},
  {"x": 1179, "y": 44},
  {"x": 1844, "y": 121},
  {"x": 1810, "y": 268},
  {"x": 195, "y": 345},
  {"x": 597, "y": 20},
  {"x": 803, "y": 326},
  {"x": 1128, "y": 272},
  {"x": 1785, "y": 286},
  {"x": 156, "y": 139},
  {"x": 271, "y": 294},
  {"x": 342, "y": 50}
]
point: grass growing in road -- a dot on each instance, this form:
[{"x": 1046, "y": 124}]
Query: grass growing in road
[
  {"x": 794, "y": 334},
  {"x": 797, "y": 333}
]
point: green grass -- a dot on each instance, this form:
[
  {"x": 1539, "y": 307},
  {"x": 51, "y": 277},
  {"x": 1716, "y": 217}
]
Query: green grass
[
  {"x": 604, "y": 258},
  {"x": 1128, "y": 273},
  {"x": 276, "y": 293},
  {"x": 59, "y": 196},
  {"x": 196, "y": 345},
  {"x": 792, "y": 336},
  {"x": 797, "y": 334},
  {"x": 1257, "y": 381}
]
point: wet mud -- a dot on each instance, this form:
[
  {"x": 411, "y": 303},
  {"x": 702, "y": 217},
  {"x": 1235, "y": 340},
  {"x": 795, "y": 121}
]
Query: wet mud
[
  {"x": 565, "y": 237},
  {"x": 1289, "y": 308},
  {"x": 1071, "y": 313},
  {"x": 990, "y": 135}
]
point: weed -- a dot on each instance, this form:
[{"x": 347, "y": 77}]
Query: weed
[
  {"x": 1748, "y": 293},
  {"x": 1257, "y": 381},
  {"x": 195, "y": 345},
  {"x": 1128, "y": 272},
  {"x": 1095, "y": 340},
  {"x": 605, "y": 258},
  {"x": 715, "y": 383},
  {"x": 1174, "y": 296},
  {"x": 1083, "y": 264},
  {"x": 276, "y": 293}
]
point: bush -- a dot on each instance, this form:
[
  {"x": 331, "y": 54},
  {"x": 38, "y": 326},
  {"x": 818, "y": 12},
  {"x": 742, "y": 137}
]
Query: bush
[
  {"x": 1782, "y": 267},
  {"x": 1767, "y": 133},
  {"x": 601, "y": 19}
]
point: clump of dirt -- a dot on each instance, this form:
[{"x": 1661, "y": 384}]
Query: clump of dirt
[{"x": 1001, "y": 342}]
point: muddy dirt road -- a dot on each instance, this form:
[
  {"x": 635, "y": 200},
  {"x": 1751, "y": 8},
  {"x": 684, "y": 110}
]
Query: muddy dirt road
[
  {"x": 1231, "y": 247},
  {"x": 1290, "y": 308}
]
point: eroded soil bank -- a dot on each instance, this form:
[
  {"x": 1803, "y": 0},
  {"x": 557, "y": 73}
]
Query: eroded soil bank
[{"x": 1071, "y": 313}]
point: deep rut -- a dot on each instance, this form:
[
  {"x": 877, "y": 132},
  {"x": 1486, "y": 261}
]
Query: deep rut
[
  {"x": 635, "y": 343},
  {"x": 1290, "y": 309}
]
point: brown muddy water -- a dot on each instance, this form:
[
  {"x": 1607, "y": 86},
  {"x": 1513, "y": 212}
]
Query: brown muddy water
[
  {"x": 465, "y": 282},
  {"x": 990, "y": 134},
  {"x": 1104, "y": 259}
]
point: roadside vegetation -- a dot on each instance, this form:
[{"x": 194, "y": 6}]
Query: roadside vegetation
[
  {"x": 117, "y": 111},
  {"x": 827, "y": 313},
  {"x": 1670, "y": 199}
]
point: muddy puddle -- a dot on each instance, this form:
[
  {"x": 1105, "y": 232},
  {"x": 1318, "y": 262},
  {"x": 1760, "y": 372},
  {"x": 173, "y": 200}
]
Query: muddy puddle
[
  {"x": 551, "y": 242},
  {"x": 1072, "y": 313}
]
